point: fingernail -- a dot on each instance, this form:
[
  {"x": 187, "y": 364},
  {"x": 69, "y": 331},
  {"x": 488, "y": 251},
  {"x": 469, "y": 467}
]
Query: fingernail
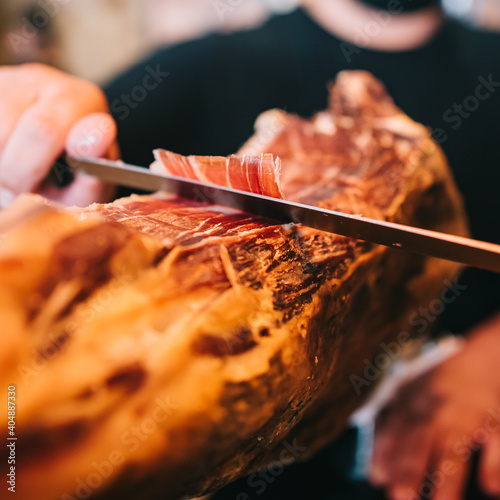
[{"x": 7, "y": 197}]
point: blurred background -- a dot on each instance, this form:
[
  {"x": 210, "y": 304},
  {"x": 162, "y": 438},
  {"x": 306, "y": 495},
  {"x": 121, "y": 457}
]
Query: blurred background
[{"x": 96, "y": 39}]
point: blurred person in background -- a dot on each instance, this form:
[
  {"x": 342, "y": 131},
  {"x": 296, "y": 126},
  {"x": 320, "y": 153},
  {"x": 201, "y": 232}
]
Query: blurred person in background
[
  {"x": 126, "y": 29},
  {"x": 202, "y": 97},
  {"x": 169, "y": 22}
]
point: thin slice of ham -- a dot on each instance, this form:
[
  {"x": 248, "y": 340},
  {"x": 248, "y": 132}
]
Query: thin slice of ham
[{"x": 258, "y": 174}]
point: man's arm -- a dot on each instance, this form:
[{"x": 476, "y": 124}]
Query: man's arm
[{"x": 426, "y": 438}]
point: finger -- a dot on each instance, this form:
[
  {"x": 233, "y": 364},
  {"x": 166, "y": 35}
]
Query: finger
[
  {"x": 409, "y": 461},
  {"x": 35, "y": 143},
  {"x": 401, "y": 461},
  {"x": 489, "y": 472},
  {"x": 384, "y": 440},
  {"x": 449, "y": 477},
  {"x": 403, "y": 439},
  {"x": 379, "y": 474},
  {"x": 83, "y": 191},
  {"x": 94, "y": 135},
  {"x": 17, "y": 97},
  {"x": 11, "y": 110},
  {"x": 384, "y": 443}
]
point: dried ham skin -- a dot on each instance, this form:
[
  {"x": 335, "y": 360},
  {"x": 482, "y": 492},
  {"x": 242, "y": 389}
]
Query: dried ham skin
[
  {"x": 257, "y": 174},
  {"x": 187, "y": 344}
]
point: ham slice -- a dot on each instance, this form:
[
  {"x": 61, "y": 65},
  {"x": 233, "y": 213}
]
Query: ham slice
[{"x": 257, "y": 174}]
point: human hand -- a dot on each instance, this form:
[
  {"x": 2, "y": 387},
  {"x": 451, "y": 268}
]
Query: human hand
[
  {"x": 426, "y": 437},
  {"x": 43, "y": 112}
]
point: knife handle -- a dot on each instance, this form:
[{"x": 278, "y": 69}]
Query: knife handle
[{"x": 61, "y": 174}]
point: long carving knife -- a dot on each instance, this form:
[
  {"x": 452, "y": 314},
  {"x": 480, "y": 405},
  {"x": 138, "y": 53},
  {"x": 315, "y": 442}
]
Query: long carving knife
[{"x": 422, "y": 241}]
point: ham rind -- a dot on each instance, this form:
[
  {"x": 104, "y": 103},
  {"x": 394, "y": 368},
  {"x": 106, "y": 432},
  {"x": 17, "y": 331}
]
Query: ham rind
[
  {"x": 162, "y": 346},
  {"x": 259, "y": 174}
]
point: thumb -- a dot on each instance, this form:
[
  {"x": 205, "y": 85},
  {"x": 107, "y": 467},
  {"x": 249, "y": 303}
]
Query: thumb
[{"x": 94, "y": 136}]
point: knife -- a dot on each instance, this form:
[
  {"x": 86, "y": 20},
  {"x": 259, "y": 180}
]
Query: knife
[{"x": 421, "y": 241}]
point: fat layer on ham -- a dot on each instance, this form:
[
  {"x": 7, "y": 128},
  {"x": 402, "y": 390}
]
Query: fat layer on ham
[{"x": 257, "y": 174}]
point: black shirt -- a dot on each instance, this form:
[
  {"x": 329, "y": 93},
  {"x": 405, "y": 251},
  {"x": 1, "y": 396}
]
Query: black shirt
[{"x": 218, "y": 85}]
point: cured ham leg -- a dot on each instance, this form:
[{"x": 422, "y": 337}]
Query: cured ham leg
[{"x": 163, "y": 347}]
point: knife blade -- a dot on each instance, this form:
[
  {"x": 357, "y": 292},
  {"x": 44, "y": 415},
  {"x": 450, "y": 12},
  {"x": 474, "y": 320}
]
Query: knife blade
[{"x": 421, "y": 241}]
